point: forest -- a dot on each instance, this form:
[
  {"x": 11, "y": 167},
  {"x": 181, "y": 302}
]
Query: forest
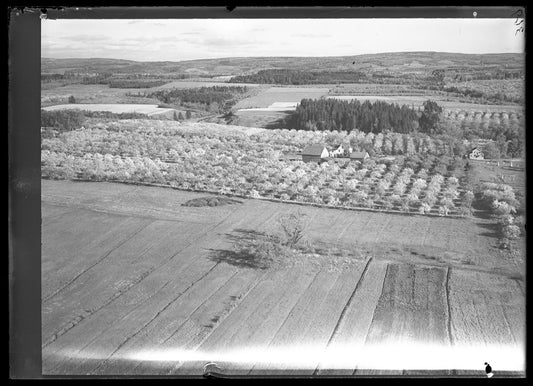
[
  {"x": 334, "y": 114},
  {"x": 216, "y": 98}
]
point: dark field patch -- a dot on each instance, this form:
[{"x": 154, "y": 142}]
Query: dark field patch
[{"x": 211, "y": 201}]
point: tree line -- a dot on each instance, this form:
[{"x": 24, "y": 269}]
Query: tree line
[{"x": 296, "y": 77}]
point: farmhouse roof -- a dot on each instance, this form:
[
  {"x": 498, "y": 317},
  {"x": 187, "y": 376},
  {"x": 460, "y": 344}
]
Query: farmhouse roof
[
  {"x": 358, "y": 154},
  {"x": 315, "y": 149}
]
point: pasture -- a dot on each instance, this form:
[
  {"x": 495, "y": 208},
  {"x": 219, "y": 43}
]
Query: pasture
[
  {"x": 135, "y": 283},
  {"x": 148, "y": 109},
  {"x": 91, "y": 93}
]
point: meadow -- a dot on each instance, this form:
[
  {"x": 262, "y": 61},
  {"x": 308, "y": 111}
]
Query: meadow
[{"x": 114, "y": 108}]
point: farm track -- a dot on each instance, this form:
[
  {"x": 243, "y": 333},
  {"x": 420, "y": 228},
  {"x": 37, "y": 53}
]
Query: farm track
[{"x": 122, "y": 286}]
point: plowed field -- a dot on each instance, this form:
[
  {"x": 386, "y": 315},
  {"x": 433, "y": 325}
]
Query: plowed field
[{"x": 133, "y": 283}]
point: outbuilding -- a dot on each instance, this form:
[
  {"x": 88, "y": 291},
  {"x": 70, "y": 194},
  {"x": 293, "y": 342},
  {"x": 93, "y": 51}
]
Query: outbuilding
[
  {"x": 316, "y": 153},
  {"x": 359, "y": 156}
]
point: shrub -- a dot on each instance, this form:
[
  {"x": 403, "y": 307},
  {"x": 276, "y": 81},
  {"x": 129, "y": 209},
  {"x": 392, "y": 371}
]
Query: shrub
[
  {"x": 502, "y": 208},
  {"x": 451, "y": 193},
  {"x": 395, "y": 198},
  {"x": 422, "y": 174},
  {"x": 412, "y": 198},
  {"x": 506, "y": 219},
  {"x": 387, "y": 204},
  {"x": 454, "y": 181},
  {"x": 424, "y": 208},
  {"x": 443, "y": 210},
  {"x": 468, "y": 197},
  {"x": 465, "y": 211},
  {"x": 404, "y": 206},
  {"x": 292, "y": 226},
  {"x": 520, "y": 221},
  {"x": 511, "y": 232},
  {"x": 420, "y": 183},
  {"x": 261, "y": 252}
]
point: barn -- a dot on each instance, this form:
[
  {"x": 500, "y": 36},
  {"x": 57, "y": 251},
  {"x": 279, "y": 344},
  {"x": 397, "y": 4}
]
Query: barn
[
  {"x": 359, "y": 156},
  {"x": 316, "y": 153}
]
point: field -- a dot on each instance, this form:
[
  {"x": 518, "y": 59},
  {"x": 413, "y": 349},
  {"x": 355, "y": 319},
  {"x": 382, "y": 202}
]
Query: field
[
  {"x": 270, "y": 104},
  {"x": 281, "y": 94},
  {"x": 257, "y": 110},
  {"x": 114, "y": 108},
  {"x": 151, "y": 287},
  {"x": 418, "y": 101}
]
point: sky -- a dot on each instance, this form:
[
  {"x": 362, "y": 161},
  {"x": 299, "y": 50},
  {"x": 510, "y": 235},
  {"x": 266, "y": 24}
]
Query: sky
[{"x": 188, "y": 39}]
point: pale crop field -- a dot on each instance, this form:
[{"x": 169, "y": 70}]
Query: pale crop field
[
  {"x": 281, "y": 95},
  {"x": 134, "y": 283},
  {"x": 276, "y": 106}
]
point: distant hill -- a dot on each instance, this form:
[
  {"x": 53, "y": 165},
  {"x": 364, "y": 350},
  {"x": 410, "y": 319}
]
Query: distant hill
[{"x": 395, "y": 61}]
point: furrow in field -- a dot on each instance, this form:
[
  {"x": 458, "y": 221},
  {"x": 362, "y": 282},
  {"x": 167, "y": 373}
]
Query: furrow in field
[
  {"x": 379, "y": 233},
  {"x": 171, "y": 317},
  {"x": 293, "y": 329},
  {"x": 98, "y": 352},
  {"x": 241, "y": 323},
  {"x": 107, "y": 342},
  {"x": 177, "y": 269},
  {"x": 411, "y": 309},
  {"x": 353, "y": 328},
  {"x": 327, "y": 317},
  {"x": 203, "y": 320},
  {"x": 485, "y": 309},
  {"x": 412, "y": 306},
  {"x": 50, "y": 214},
  {"x": 345, "y": 236},
  {"x": 126, "y": 265},
  {"x": 328, "y": 220},
  {"x": 57, "y": 258},
  {"x": 170, "y": 230},
  {"x": 366, "y": 232},
  {"x": 169, "y": 256},
  {"x": 263, "y": 325},
  {"x": 398, "y": 224}
]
